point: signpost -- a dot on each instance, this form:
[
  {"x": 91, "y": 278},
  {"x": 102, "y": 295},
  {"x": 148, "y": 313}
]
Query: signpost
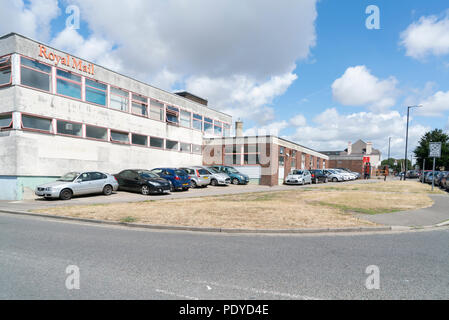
[{"x": 434, "y": 152}]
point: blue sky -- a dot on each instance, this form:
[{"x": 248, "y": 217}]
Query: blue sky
[{"x": 306, "y": 70}]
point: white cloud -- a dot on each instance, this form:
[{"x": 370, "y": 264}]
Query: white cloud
[
  {"x": 331, "y": 130},
  {"x": 434, "y": 105},
  {"x": 273, "y": 128},
  {"x": 227, "y": 52},
  {"x": 30, "y": 19},
  {"x": 299, "y": 120},
  {"x": 358, "y": 87},
  {"x": 428, "y": 36}
]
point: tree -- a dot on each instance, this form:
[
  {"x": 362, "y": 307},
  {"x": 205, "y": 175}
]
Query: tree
[
  {"x": 422, "y": 150},
  {"x": 399, "y": 164}
]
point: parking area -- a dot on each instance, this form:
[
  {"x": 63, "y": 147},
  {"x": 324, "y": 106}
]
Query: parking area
[{"x": 124, "y": 197}]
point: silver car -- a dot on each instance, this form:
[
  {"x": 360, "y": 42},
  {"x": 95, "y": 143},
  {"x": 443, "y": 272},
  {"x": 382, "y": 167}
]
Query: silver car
[
  {"x": 199, "y": 177},
  {"x": 76, "y": 183},
  {"x": 299, "y": 177},
  {"x": 217, "y": 177},
  {"x": 333, "y": 176}
]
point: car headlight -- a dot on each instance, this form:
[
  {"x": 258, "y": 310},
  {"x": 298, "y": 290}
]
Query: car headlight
[
  {"x": 48, "y": 189},
  {"x": 156, "y": 184}
]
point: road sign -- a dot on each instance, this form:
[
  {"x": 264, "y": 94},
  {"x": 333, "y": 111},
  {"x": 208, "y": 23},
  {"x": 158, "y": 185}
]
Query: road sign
[{"x": 435, "y": 150}]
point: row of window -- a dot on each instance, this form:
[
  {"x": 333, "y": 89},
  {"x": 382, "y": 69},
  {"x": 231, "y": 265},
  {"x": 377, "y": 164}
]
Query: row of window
[
  {"x": 38, "y": 75},
  {"x": 75, "y": 129}
]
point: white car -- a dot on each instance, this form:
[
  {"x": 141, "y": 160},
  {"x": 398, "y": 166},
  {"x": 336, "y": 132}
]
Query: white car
[
  {"x": 301, "y": 177},
  {"x": 333, "y": 176}
]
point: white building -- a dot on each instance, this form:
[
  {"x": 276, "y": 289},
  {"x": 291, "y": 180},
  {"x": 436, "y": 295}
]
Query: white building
[{"x": 60, "y": 113}]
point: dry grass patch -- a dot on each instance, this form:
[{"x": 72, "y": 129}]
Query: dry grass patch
[
  {"x": 389, "y": 186},
  {"x": 322, "y": 207}
]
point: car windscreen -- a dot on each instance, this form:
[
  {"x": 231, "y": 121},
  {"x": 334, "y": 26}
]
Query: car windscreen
[
  {"x": 232, "y": 170},
  {"x": 147, "y": 174},
  {"x": 213, "y": 170},
  {"x": 69, "y": 177},
  {"x": 297, "y": 172}
]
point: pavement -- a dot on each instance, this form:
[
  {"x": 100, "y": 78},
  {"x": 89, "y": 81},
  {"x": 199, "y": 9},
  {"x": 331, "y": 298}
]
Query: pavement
[
  {"x": 436, "y": 214},
  {"x": 124, "y": 263}
]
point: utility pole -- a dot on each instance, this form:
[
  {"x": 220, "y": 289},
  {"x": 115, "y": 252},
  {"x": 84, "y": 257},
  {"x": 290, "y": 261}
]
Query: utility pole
[{"x": 406, "y": 138}]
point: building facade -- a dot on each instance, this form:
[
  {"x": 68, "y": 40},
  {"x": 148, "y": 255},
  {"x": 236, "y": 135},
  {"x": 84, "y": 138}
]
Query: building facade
[
  {"x": 355, "y": 157},
  {"x": 267, "y": 160},
  {"x": 60, "y": 113}
]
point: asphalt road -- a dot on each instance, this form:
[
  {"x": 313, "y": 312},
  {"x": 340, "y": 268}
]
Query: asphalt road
[{"x": 122, "y": 263}]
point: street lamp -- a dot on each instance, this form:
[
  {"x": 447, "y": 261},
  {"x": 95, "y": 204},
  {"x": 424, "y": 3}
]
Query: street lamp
[{"x": 406, "y": 138}]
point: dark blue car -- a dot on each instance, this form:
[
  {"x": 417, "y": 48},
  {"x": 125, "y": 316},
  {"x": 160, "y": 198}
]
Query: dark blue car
[{"x": 179, "y": 178}]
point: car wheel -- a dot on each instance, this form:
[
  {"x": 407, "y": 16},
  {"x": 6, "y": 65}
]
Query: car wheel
[
  {"x": 107, "y": 190},
  {"x": 214, "y": 183},
  {"x": 145, "y": 190},
  {"x": 334, "y": 180},
  {"x": 66, "y": 194},
  {"x": 235, "y": 181},
  {"x": 326, "y": 180},
  {"x": 303, "y": 182},
  {"x": 193, "y": 184}
]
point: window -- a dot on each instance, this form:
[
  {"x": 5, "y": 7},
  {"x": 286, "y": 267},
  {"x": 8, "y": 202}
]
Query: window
[
  {"x": 171, "y": 145},
  {"x": 185, "y": 118},
  {"x": 68, "y": 84},
  {"x": 139, "y": 139},
  {"x": 5, "y": 121},
  {"x": 185, "y": 147},
  {"x": 232, "y": 159},
  {"x": 281, "y": 150},
  {"x": 96, "y": 92},
  {"x": 293, "y": 163},
  {"x": 252, "y": 158},
  {"x": 196, "y": 149},
  {"x": 156, "y": 110},
  {"x": 120, "y": 137},
  {"x": 35, "y": 74},
  {"x": 218, "y": 128},
  {"x": 96, "y": 133},
  {"x": 119, "y": 99},
  {"x": 35, "y": 123},
  {"x": 197, "y": 122},
  {"x": 281, "y": 161},
  {"x": 139, "y": 105},
  {"x": 226, "y": 130},
  {"x": 156, "y": 142},
  {"x": 5, "y": 71},
  {"x": 208, "y": 126},
  {"x": 293, "y": 153},
  {"x": 250, "y": 148},
  {"x": 69, "y": 128},
  {"x": 97, "y": 176},
  {"x": 172, "y": 114},
  {"x": 232, "y": 148}
]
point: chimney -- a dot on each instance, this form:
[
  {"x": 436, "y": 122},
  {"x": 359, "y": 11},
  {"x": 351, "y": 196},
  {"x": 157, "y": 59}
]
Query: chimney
[
  {"x": 239, "y": 128},
  {"x": 369, "y": 147},
  {"x": 349, "y": 148}
]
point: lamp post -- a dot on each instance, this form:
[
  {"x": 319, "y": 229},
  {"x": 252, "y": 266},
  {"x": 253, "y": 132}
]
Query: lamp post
[{"x": 406, "y": 137}]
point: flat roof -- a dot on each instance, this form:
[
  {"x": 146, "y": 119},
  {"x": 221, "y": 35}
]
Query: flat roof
[{"x": 105, "y": 68}]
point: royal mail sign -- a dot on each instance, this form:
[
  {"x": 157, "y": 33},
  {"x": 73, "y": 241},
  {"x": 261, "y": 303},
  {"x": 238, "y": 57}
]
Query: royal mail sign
[{"x": 66, "y": 60}]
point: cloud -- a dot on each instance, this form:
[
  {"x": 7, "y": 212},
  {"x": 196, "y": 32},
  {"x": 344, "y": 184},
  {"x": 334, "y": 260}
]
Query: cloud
[
  {"x": 273, "y": 128},
  {"x": 428, "y": 36},
  {"x": 239, "y": 55},
  {"x": 434, "y": 105},
  {"x": 358, "y": 87},
  {"x": 331, "y": 130},
  {"x": 299, "y": 120},
  {"x": 31, "y": 19}
]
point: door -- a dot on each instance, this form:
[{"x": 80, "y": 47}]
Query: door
[
  {"x": 82, "y": 184},
  {"x": 131, "y": 180},
  {"x": 98, "y": 181}
]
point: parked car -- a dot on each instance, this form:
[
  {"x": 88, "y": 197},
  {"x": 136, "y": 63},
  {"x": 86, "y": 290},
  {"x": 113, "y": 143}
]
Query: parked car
[
  {"x": 346, "y": 176},
  {"x": 444, "y": 182},
  {"x": 178, "y": 178},
  {"x": 422, "y": 176},
  {"x": 217, "y": 177},
  {"x": 439, "y": 176},
  {"x": 301, "y": 177},
  {"x": 356, "y": 174},
  {"x": 318, "y": 176},
  {"x": 78, "y": 183},
  {"x": 333, "y": 176},
  {"x": 143, "y": 181},
  {"x": 428, "y": 178},
  {"x": 236, "y": 176},
  {"x": 411, "y": 174},
  {"x": 199, "y": 177}
]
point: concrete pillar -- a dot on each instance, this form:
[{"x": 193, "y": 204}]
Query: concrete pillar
[{"x": 239, "y": 129}]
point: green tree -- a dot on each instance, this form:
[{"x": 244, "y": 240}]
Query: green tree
[
  {"x": 399, "y": 166},
  {"x": 422, "y": 150}
]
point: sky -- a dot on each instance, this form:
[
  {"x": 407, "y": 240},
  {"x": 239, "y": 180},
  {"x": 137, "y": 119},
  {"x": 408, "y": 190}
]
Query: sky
[{"x": 307, "y": 70}]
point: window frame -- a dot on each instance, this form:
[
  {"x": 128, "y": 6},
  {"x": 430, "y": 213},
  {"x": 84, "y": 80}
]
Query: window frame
[
  {"x": 200, "y": 121},
  {"x": 71, "y": 81},
  {"x": 198, "y": 145},
  {"x": 95, "y": 126},
  {"x": 111, "y": 94},
  {"x": 22, "y": 127},
  {"x": 88, "y": 86},
  {"x": 177, "y": 144},
  {"x": 50, "y": 85},
  {"x": 159, "y": 148},
  {"x": 117, "y": 141},
  {"x": 142, "y": 135},
  {"x": 216, "y": 122},
  {"x": 161, "y": 109},
  {"x": 211, "y": 123},
  {"x": 140, "y": 103},
  {"x": 180, "y": 118},
  {"x": 173, "y": 113},
  {"x": 185, "y": 143},
  {"x": 69, "y": 135},
  {"x": 11, "y": 124},
  {"x": 9, "y": 56}
]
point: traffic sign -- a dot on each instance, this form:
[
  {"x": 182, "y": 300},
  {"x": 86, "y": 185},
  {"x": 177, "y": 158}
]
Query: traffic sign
[{"x": 435, "y": 150}]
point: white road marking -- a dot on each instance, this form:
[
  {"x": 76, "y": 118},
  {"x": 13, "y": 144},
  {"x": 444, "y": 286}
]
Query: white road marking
[
  {"x": 176, "y": 295},
  {"x": 257, "y": 291}
]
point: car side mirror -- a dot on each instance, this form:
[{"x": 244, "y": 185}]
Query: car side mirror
[{"x": 79, "y": 180}]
